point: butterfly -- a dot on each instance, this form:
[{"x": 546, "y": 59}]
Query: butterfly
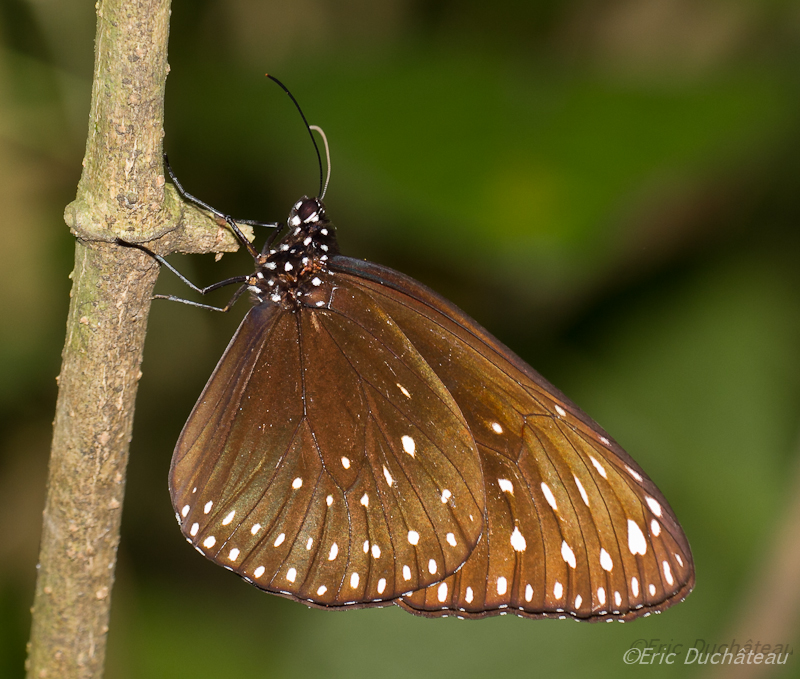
[{"x": 363, "y": 442}]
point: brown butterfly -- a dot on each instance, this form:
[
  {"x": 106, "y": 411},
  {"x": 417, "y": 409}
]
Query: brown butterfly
[{"x": 362, "y": 442}]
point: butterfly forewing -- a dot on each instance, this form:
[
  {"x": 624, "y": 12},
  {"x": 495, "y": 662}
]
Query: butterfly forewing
[
  {"x": 573, "y": 525},
  {"x": 326, "y": 461},
  {"x": 363, "y": 442}
]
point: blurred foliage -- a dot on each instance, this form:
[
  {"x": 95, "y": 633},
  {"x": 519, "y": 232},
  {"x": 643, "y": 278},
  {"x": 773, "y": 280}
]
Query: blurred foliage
[{"x": 611, "y": 188}]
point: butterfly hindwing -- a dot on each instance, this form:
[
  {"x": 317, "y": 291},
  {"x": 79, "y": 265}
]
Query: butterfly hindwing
[
  {"x": 573, "y": 525},
  {"x": 326, "y": 461}
]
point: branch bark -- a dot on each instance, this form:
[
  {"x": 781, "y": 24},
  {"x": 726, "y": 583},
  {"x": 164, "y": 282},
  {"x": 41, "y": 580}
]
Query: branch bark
[{"x": 121, "y": 194}]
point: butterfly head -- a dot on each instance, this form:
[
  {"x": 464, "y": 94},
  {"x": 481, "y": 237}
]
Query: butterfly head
[{"x": 306, "y": 211}]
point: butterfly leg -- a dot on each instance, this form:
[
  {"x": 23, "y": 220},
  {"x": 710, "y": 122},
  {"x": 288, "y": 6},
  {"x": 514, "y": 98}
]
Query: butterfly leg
[
  {"x": 277, "y": 226},
  {"x": 231, "y": 222},
  {"x": 186, "y": 281},
  {"x": 252, "y": 222},
  {"x": 225, "y": 309}
]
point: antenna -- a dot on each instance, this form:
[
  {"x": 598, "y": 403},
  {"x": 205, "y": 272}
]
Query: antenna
[
  {"x": 322, "y": 134},
  {"x": 322, "y": 184}
]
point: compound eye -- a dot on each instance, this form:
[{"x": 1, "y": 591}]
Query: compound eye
[{"x": 310, "y": 211}]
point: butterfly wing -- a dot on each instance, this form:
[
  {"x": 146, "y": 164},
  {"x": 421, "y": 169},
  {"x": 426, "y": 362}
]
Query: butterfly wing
[
  {"x": 573, "y": 525},
  {"x": 325, "y": 461}
]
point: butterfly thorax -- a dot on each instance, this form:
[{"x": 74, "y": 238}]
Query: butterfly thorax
[{"x": 293, "y": 273}]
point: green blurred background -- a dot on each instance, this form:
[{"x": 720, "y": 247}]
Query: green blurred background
[{"x": 612, "y": 188}]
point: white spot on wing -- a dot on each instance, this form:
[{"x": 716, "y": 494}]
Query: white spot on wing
[
  {"x": 567, "y": 554},
  {"x": 502, "y": 585},
  {"x": 655, "y": 527},
  {"x": 297, "y": 483},
  {"x": 258, "y": 572},
  {"x": 601, "y": 596},
  {"x": 635, "y": 586},
  {"x": 653, "y": 504},
  {"x": 636, "y": 542},
  {"x": 229, "y": 517},
  {"x": 309, "y": 543},
  {"x": 441, "y": 592},
  {"x": 408, "y": 445},
  {"x": 234, "y": 554},
  {"x": 558, "y": 590},
  {"x": 617, "y": 599},
  {"x": 404, "y": 390},
  {"x": 365, "y": 500},
  {"x": 451, "y": 539},
  {"x": 381, "y": 585},
  {"x": 561, "y": 412},
  {"x": 209, "y": 542},
  {"x": 634, "y": 474},
  {"x": 291, "y": 575},
  {"x": 446, "y": 495},
  {"x": 346, "y": 462},
  {"x": 354, "y": 580},
  {"x": 652, "y": 590},
  {"x": 321, "y": 590},
  {"x": 497, "y": 428},
  {"x": 432, "y": 568},
  {"x": 406, "y": 573},
  {"x": 256, "y": 527},
  {"x": 376, "y": 551},
  {"x": 334, "y": 551},
  {"x": 413, "y": 537},
  {"x": 605, "y": 560},
  {"x": 506, "y": 485},
  {"x": 518, "y": 540},
  {"x": 279, "y": 540},
  {"x": 582, "y": 491},
  {"x": 194, "y": 529},
  {"x": 329, "y": 500},
  {"x": 667, "y": 573},
  {"x": 528, "y": 592},
  {"x": 208, "y": 506},
  {"x": 548, "y": 495},
  {"x": 468, "y": 595},
  {"x": 388, "y": 476},
  {"x": 600, "y": 469},
  {"x": 185, "y": 511},
  {"x": 578, "y": 601}
]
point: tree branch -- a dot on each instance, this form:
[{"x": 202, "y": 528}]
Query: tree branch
[{"x": 122, "y": 193}]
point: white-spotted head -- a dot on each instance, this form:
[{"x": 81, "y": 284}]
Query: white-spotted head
[{"x": 306, "y": 211}]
